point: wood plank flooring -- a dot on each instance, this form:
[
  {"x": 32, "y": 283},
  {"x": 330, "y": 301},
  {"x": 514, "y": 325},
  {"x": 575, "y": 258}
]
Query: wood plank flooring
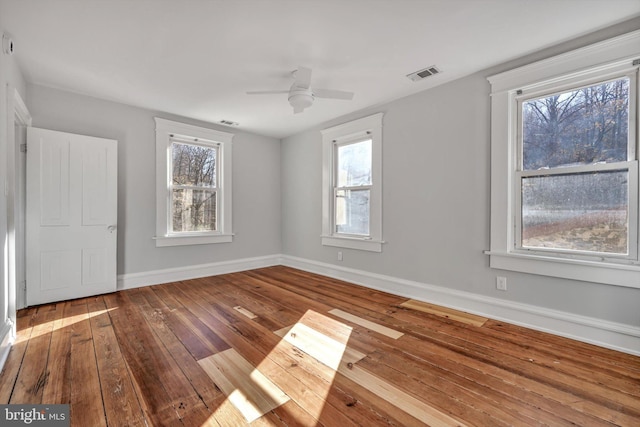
[{"x": 291, "y": 348}]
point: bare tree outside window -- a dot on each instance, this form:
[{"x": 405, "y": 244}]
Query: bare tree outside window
[
  {"x": 573, "y": 203},
  {"x": 582, "y": 126},
  {"x": 194, "y": 187}
]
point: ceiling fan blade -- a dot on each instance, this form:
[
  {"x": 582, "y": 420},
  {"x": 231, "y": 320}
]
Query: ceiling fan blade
[
  {"x": 303, "y": 77},
  {"x": 265, "y": 92},
  {"x": 333, "y": 94}
]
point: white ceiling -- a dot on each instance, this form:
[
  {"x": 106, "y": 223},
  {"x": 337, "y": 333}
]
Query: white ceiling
[{"x": 197, "y": 58}]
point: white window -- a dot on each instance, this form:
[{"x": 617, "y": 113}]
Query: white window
[
  {"x": 352, "y": 187},
  {"x": 576, "y": 171},
  {"x": 193, "y": 184},
  {"x": 564, "y": 165}
]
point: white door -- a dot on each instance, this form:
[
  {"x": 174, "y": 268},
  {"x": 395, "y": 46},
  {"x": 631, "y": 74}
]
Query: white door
[{"x": 71, "y": 216}]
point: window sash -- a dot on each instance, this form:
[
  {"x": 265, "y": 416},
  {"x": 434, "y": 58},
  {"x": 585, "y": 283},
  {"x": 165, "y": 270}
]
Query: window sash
[
  {"x": 346, "y": 143},
  {"x": 631, "y": 167},
  {"x": 192, "y": 187},
  {"x": 561, "y": 86},
  {"x": 196, "y": 143},
  {"x": 337, "y": 189},
  {"x": 336, "y": 197},
  {"x": 213, "y": 195},
  {"x": 576, "y": 84},
  {"x": 171, "y": 186}
]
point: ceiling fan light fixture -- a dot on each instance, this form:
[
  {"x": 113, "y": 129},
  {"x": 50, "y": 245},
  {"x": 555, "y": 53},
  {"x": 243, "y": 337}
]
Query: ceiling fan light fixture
[{"x": 301, "y": 100}]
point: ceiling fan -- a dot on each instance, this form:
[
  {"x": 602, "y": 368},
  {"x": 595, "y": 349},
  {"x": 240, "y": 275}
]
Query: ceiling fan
[{"x": 301, "y": 95}]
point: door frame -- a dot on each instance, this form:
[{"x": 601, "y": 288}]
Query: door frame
[{"x": 17, "y": 115}]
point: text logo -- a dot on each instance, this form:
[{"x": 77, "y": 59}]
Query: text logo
[{"x": 35, "y": 415}]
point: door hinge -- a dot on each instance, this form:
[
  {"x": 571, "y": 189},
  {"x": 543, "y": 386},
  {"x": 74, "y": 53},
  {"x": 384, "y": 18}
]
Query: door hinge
[{"x": 23, "y": 147}]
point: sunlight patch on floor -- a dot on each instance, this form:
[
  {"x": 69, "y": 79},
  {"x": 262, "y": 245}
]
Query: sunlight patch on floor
[
  {"x": 324, "y": 349},
  {"x": 253, "y": 394},
  {"x": 54, "y": 325}
]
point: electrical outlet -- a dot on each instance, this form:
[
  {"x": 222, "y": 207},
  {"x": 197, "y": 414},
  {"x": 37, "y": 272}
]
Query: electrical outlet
[
  {"x": 339, "y": 255},
  {"x": 501, "y": 283}
]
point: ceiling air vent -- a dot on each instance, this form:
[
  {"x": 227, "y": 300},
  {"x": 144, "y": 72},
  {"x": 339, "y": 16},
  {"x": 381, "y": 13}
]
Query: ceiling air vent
[
  {"x": 229, "y": 123},
  {"x": 421, "y": 74}
]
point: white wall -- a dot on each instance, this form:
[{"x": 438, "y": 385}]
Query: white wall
[
  {"x": 256, "y": 181},
  {"x": 10, "y": 79},
  {"x": 436, "y": 195}
]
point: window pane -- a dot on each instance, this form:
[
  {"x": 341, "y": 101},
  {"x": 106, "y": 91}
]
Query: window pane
[
  {"x": 583, "y": 212},
  {"x": 194, "y": 210},
  {"x": 582, "y": 126},
  {"x": 354, "y": 164},
  {"x": 352, "y": 212},
  {"x": 193, "y": 165}
]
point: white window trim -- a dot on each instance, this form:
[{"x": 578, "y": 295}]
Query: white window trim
[
  {"x": 164, "y": 130},
  {"x": 370, "y": 126},
  {"x": 614, "y": 56}
]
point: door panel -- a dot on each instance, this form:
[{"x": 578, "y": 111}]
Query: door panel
[
  {"x": 94, "y": 265},
  {"x": 71, "y": 216},
  {"x": 58, "y": 269},
  {"x": 95, "y": 190},
  {"x": 54, "y": 182}
]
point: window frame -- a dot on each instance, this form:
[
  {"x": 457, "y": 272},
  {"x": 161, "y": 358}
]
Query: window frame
[
  {"x": 166, "y": 132},
  {"x": 602, "y": 61},
  {"x": 630, "y": 165},
  {"x": 172, "y": 186},
  {"x": 350, "y": 133},
  {"x": 336, "y": 188}
]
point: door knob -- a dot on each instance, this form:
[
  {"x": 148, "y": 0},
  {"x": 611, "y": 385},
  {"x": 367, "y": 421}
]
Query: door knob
[{"x": 112, "y": 228}]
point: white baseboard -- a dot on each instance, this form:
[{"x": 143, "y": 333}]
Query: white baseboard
[
  {"x": 616, "y": 336},
  {"x": 8, "y": 337},
  {"x": 148, "y": 278}
]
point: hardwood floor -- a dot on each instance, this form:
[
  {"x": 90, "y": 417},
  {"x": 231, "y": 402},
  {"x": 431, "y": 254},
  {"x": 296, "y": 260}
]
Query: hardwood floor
[{"x": 289, "y": 348}]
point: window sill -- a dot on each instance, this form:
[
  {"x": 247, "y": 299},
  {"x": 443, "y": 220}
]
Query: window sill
[
  {"x": 163, "y": 241},
  {"x": 353, "y": 243},
  {"x": 606, "y": 272}
]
